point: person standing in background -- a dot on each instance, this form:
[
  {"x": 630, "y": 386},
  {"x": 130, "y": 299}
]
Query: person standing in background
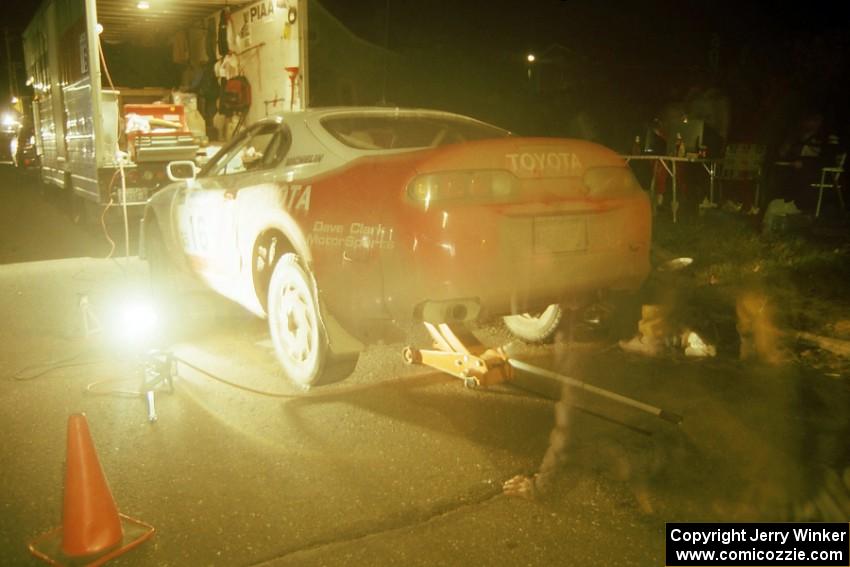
[{"x": 801, "y": 157}]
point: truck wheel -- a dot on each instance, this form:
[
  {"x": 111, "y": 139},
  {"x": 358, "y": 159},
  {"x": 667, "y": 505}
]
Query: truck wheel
[
  {"x": 42, "y": 187},
  {"x": 77, "y": 209},
  {"x": 535, "y": 329},
  {"x": 296, "y": 328}
]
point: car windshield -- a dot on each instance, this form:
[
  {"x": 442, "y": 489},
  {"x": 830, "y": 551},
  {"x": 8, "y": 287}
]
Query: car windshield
[{"x": 406, "y": 132}]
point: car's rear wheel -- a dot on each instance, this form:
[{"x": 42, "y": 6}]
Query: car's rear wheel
[
  {"x": 535, "y": 328},
  {"x": 611, "y": 317},
  {"x": 296, "y": 328}
]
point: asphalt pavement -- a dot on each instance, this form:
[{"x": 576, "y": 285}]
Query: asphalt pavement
[{"x": 397, "y": 465}]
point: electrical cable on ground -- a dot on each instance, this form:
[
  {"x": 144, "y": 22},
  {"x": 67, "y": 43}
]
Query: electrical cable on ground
[
  {"x": 217, "y": 378},
  {"x": 33, "y": 371},
  {"x": 42, "y": 368},
  {"x": 92, "y": 388},
  {"x": 324, "y": 392},
  {"x": 334, "y": 390}
]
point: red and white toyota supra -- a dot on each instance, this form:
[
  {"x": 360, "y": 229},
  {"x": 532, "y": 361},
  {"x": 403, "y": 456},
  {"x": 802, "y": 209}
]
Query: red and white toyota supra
[{"x": 338, "y": 224}]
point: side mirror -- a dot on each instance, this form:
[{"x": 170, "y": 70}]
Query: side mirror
[{"x": 182, "y": 170}]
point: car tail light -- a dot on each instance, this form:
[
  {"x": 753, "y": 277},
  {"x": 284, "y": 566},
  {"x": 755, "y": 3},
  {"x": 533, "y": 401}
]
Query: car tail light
[
  {"x": 611, "y": 182},
  {"x": 488, "y": 185}
]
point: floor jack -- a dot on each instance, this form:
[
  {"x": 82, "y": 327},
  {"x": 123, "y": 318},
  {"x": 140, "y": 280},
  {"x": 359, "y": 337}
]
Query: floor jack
[{"x": 478, "y": 365}]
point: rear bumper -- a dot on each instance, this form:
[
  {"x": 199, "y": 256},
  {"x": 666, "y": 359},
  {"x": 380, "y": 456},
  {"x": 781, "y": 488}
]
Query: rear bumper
[
  {"x": 521, "y": 263},
  {"x": 535, "y": 284}
]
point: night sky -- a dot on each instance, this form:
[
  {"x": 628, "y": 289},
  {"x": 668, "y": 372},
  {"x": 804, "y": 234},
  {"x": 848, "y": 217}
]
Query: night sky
[
  {"x": 632, "y": 31},
  {"x": 646, "y": 48},
  {"x": 775, "y": 60}
]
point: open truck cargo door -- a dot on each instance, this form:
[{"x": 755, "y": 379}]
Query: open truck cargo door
[{"x": 100, "y": 68}]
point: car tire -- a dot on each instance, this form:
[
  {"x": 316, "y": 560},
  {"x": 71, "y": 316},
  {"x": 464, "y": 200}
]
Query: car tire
[
  {"x": 623, "y": 323},
  {"x": 610, "y": 319},
  {"x": 535, "y": 329},
  {"x": 297, "y": 330}
]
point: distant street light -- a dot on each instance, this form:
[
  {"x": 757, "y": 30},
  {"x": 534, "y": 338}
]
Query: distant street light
[{"x": 531, "y": 58}]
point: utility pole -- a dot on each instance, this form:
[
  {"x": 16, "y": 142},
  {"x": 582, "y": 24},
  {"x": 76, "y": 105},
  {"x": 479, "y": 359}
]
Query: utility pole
[{"x": 386, "y": 52}]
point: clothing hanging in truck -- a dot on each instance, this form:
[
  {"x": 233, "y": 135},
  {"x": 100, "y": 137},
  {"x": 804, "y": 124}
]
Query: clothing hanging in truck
[
  {"x": 225, "y": 33},
  {"x": 210, "y": 39}
]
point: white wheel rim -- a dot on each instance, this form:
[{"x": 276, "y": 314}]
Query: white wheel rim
[
  {"x": 546, "y": 312},
  {"x": 296, "y": 324},
  {"x": 534, "y": 328}
]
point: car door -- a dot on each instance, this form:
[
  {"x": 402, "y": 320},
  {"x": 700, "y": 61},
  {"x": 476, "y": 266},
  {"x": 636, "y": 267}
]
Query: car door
[{"x": 206, "y": 208}]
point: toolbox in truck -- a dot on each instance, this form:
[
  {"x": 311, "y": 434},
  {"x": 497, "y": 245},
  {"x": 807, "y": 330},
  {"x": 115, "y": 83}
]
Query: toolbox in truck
[{"x": 158, "y": 132}]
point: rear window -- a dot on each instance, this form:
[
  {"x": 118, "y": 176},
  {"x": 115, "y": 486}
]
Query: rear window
[{"x": 401, "y": 132}]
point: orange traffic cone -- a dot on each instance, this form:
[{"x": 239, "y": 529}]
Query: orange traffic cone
[
  {"x": 90, "y": 522},
  {"x": 92, "y": 528}
]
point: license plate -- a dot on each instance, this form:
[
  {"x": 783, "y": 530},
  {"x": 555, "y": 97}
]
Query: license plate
[
  {"x": 559, "y": 234},
  {"x": 134, "y": 194}
]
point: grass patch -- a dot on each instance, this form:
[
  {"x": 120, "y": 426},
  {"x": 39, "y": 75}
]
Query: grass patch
[{"x": 806, "y": 277}]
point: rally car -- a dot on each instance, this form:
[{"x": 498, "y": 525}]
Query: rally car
[{"x": 341, "y": 224}]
